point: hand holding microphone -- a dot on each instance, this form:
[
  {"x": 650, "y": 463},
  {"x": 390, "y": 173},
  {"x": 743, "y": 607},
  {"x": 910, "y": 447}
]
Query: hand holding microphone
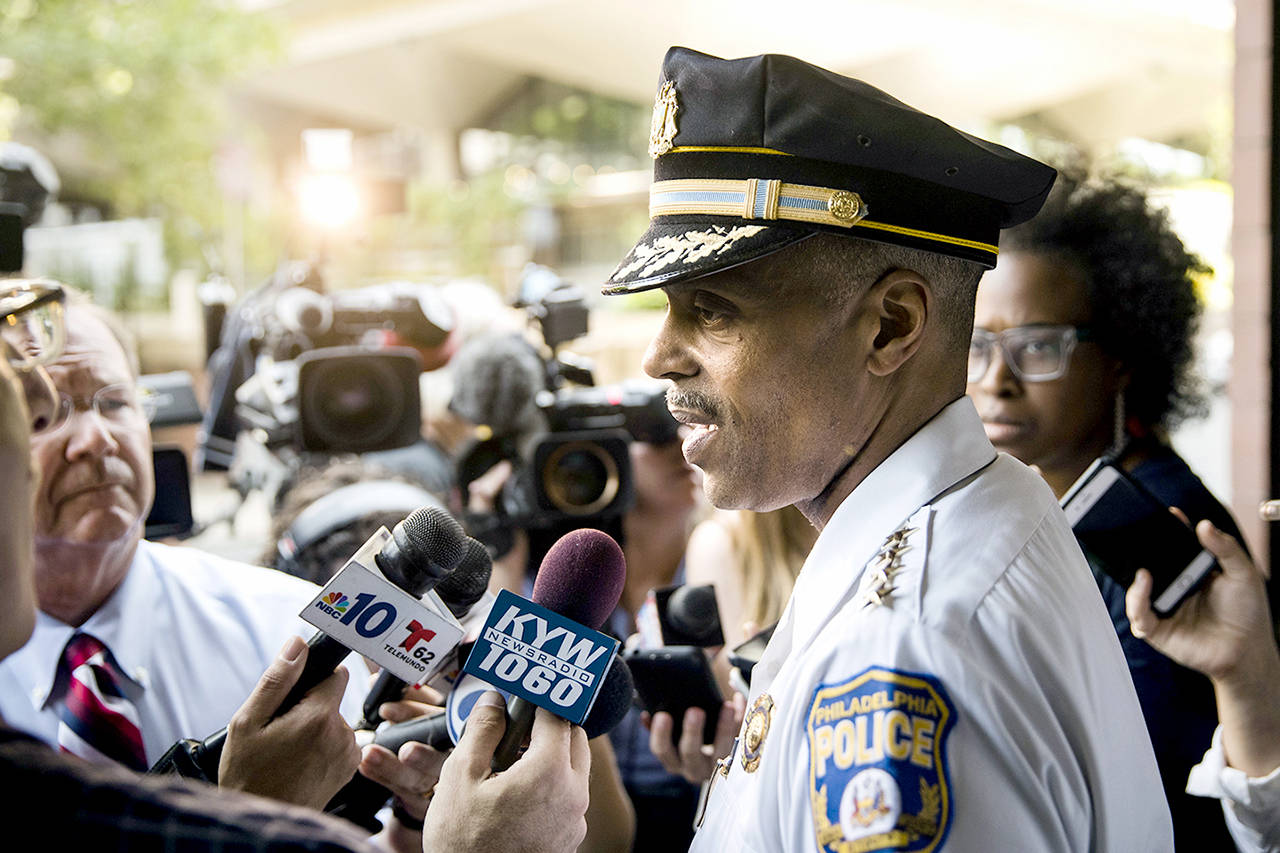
[
  {"x": 315, "y": 744},
  {"x": 579, "y": 581},
  {"x": 423, "y": 549}
]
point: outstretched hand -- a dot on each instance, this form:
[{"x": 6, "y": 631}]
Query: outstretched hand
[
  {"x": 537, "y": 805},
  {"x": 305, "y": 755},
  {"x": 690, "y": 757},
  {"x": 1224, "y": 629}
]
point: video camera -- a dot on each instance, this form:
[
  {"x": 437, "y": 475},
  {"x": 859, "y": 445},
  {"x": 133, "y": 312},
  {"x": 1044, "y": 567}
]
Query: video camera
[
  {"x": 307, "y": 371},
  {"x": 579, "y": 470},
  {"x": 570, "y": 454}
]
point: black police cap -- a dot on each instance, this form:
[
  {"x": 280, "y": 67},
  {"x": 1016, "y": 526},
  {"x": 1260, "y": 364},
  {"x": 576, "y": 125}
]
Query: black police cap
[{"x": 751, "y": 155}]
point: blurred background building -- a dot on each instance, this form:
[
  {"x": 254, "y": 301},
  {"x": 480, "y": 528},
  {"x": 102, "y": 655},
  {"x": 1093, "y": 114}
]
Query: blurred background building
[{"x": 440, "y": 140}]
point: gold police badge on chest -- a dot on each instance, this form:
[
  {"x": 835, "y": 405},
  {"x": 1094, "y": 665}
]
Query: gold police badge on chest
[{"x": 755, "y": 730}]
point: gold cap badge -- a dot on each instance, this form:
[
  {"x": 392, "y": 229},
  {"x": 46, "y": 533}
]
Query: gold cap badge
[{"x": 663, "y": 127}]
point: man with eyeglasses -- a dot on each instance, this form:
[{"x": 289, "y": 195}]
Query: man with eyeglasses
[{"x": 186, "y": 634}]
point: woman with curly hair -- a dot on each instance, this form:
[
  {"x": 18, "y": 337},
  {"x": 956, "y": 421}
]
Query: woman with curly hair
[{"x": 1082, "y": 345}]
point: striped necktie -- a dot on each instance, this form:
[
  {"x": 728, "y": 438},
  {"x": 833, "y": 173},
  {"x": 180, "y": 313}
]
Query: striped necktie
[{"x": 98, "y": 722}]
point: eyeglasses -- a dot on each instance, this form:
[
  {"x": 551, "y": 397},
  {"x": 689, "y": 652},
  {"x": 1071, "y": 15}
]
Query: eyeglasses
[
  {"x": 1034, "y": 353},
  {"x": 119, "y": 405},
  {"x": 32, "y": 324}
]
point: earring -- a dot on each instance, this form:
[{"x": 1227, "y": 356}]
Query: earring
[{"x": 1120, "y": 433}]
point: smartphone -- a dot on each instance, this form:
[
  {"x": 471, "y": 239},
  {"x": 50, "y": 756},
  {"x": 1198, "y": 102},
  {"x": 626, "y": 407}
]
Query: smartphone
[
  {"x": 674, "y": 679},
  {"x": 1124, "y": 528},
  {"x": 170, "y": 514},
  {"x": 746, "y": 654}
]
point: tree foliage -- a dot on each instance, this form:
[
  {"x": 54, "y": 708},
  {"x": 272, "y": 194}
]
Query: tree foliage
[{"x": 133, "y": 89}]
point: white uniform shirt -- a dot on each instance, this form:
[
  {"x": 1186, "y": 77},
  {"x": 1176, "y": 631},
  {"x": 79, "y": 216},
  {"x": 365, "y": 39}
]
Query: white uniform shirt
[
  {"x": 193, "y": 631},
  {"x": 1251, "y": 804},
  {"x": 980, "y": 702}
]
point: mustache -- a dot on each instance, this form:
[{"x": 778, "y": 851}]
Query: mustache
[
  {"x": 90, "y": 474},
  {"x": 693, "y": 401}
]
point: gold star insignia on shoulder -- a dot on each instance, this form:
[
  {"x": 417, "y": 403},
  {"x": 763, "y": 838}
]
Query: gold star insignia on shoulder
[{"x": 877, "y": 580}]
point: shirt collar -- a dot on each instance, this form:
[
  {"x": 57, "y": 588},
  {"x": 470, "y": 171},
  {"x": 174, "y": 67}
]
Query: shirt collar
[
  {"x": 950, "y": 447},
  {"x": 122, "y": 623}
]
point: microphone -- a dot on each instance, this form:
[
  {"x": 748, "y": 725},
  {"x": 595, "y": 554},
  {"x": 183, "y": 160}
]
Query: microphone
[
  {"x": 496, "y": 379},
  {"x": 361, "y": 798},
  {"x": 459, "y": 590},
  {"x": 424, "y": 548},
  {"x": 611, "y": 705},
  {"x": 688, "y": 616},
  {"x": 580, "y": 578}
]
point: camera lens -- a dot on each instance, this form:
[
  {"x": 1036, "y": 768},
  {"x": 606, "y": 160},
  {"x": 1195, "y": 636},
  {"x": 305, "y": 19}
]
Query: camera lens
[
  {"x": 354, "y": 403},
  {"x": 580, "y": 478}
]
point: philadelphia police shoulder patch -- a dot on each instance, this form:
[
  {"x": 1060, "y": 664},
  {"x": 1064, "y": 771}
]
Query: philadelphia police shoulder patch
[{"x": 878, "y": 775}]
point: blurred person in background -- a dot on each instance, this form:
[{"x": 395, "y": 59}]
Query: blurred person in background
[
  {"x": 1225, "y": 631},
  {"x": 319, "y": 521},
  {"x": 1083, "y": 345},
  {"x": 753, "y": 559}
]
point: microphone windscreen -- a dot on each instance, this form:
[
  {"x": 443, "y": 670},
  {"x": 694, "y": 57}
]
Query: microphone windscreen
[
  {"x": 612, "y": 702},
  {"x": 429, "y": 544},
  {"x": 496, "y": 379},
  {"x": 466, "y": 584},
  {"x": 581, "y": 577}
]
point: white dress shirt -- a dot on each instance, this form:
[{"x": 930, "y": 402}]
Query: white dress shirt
[
  {"x": 972, "y": 697},
  {"x": 192, "y": 631},
  {"x": 1251, "y": 804}
]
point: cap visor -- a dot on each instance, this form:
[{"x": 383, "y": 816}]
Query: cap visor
[{"x": 676, "y": 248}]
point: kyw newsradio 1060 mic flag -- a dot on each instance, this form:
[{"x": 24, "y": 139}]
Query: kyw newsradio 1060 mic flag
[
  {"x": 547, "y": 652},
  {"x": 372, "y": 606}
]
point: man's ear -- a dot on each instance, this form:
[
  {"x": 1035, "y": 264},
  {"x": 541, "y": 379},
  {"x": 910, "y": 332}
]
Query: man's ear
[{"x": 901, "y": 301}]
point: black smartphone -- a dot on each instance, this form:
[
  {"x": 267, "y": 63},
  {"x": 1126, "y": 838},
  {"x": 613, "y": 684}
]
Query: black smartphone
[
  {"x": 1125, "y": 528},
  {"x": 746, "y": 654},
  {"x": 170, "y": 514},
  {"x": 674, "y": 679}
]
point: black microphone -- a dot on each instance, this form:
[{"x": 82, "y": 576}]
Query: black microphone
[
  {"x": 424, "y": 548},
  {"x": 580, "y": 578},
  {"x": 361, "y": 798},
  {"x": 688, "y": 616},
  {"x": 459, "y": 590}
]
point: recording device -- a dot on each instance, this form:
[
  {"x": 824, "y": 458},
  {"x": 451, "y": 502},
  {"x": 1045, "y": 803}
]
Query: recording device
[
  {"x": 11, "y": 251},
  {"x": 423, "y": 549},
  {"x": 336, "y": 399},
  {"x": 170, "y": 514},
  {"x": 459, "y": 590},
  {"x": 580, "y": 580},
  {"x": 1123, "y": 527},
  {"x": 578, "y": 468},
  {"x": 688, "y": 615},
  {"x": 744, "y": 656},
  {"x": 27, "y": 182},
  {"x": 675, "y": 679},
  {"x": 361, "y": 798},
  {"x": 558, "y": 307}
]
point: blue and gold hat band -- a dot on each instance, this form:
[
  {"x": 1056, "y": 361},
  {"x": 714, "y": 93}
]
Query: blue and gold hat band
[{"x": 763, "y": 198}]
